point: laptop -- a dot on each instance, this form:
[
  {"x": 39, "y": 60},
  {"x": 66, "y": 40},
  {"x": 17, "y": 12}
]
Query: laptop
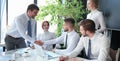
[{"x": 44, "y": 53}]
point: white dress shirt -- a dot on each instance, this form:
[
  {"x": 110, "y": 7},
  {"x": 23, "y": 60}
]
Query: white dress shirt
[
  {"x": 19, "y": 28},
  {"x": 97, "y": 17},
  {"x": 72, "y": 41},
  {"x": 99, "y": 48},
  {"x": 45, "y": 36}
]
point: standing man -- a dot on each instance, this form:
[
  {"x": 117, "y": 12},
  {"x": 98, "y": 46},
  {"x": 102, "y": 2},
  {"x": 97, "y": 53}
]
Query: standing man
[
  {"x": 23, "y": 28},
  {"x": 96, "y": 44},
  {"x": 70, "y": 38}
]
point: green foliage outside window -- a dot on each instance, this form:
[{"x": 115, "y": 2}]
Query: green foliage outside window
[{"x": 59, "y": 11}]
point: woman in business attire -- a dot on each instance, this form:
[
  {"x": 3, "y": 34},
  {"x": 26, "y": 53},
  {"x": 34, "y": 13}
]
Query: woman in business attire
[
  {"x": 96, "y": 15},
  {"x": 46, "y": 35}
]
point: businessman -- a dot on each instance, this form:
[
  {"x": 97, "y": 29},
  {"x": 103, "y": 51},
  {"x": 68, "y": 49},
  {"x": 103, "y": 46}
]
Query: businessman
[
  {"x": 70, "y": 38},
  {"x": 96, "y": 44},
  {"x": 23, "y": 28}
]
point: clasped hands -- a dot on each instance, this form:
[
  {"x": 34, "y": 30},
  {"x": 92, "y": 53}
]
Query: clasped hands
[{"x": 39, "y": 42}]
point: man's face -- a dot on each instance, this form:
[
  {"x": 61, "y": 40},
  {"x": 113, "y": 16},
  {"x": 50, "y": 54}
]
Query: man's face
[
  {"x": 33, "y": 13},
  {"x": 83, "y": 32},
  {"x": 65, "y": 26}
]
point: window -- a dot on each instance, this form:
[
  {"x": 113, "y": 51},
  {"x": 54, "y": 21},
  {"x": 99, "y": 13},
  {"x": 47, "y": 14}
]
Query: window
[
  {"x": 17, "y": 7},
  {"x": 52, "y": 28},
  {"x": 14, "y": 9},
  {"x": 3, "y": 19}
]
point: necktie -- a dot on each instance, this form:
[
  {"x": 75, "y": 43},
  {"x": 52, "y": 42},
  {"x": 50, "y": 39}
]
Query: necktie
[
  {"x": 35, "y": 29},
  {"x": 66, "y": 41},
  {"x": 29, "y": 28},
  {"x": 29, "y": 31},
  {"x": 89, "y": 49}
]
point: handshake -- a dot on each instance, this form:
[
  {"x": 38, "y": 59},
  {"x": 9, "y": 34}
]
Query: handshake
[{"x": 39, "y": 42}]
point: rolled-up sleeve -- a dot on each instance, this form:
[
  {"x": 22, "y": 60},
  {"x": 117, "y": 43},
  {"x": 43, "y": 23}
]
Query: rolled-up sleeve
[{"x": 74, "y": 41}]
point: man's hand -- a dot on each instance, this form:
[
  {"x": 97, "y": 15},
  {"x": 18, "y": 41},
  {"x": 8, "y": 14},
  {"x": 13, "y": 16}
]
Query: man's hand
[
  {"x": 63, "y": 58},
  {"x": 32, "y": 47},
  {"x": 39, "y": 42}
]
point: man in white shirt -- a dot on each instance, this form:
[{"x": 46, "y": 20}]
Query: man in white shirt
[
  {"x": 23, "y": 28},
  {"x": 70, "y": 38},
  {"x": 96, "y": 44}
]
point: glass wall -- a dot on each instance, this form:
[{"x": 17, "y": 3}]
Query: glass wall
[
  {"x": 14, "y": 8},
  {"x": 3, "y": 19},
  {"x": 17, "y": 7},
  {"x": 52, "y": 28}
]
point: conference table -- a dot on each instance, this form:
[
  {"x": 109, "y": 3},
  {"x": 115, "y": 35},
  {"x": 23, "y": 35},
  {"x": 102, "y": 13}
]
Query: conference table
[{"x": 24, "y": 54}]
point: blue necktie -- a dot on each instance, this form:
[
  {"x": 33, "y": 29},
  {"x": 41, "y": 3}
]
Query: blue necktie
[
  {"x": 35, "y": 29},
  {"x": 29, "y": 31},
  {"x": 29, "y": 28},
  {"x": 89, "y": 49}
]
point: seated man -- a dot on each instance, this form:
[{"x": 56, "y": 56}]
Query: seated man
[
  {"x": 96, "y": 44},
  {"x": 70, "y": 38}
]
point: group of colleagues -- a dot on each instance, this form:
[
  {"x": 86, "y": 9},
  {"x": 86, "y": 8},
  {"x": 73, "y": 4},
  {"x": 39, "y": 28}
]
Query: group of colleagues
[{"x": 95, "y": 43}]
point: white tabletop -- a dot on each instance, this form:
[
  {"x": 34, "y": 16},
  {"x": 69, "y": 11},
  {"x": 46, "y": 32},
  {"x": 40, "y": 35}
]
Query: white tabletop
[
  {"x": 19, "y": 55},
  {"x": 2, "y": 44}
]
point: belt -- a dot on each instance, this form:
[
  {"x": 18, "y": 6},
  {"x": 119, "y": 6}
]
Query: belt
[{"x": 13, "y": 37}]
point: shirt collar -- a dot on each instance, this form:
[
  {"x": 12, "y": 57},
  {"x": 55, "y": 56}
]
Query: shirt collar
[
  {"x": 28, "y": 18},
  {"x": 92, "y": 12},
  {"x": 71, "y": 33},
  {"x": 93, "y": 36},
  {"x": 46, "y": 31}
]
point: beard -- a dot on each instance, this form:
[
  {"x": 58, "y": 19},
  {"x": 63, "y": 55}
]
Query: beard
[
  {"x": 85, "y": 35},
  {"x": 65, "y": 30}
]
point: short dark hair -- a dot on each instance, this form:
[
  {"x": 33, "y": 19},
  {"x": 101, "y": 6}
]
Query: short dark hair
[
  {"x": 32, "y": 7},
  {"x": 88, "y": 25},
  {"x": 70, "y": 20}
]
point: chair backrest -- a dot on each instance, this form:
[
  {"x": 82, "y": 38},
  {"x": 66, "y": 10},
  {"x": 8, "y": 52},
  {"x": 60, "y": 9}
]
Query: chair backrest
[
  {"x": 118, "y": 54},
  {"x": 112, "y": 54}
]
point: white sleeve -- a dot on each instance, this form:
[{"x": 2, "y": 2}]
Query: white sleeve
[
  {"x": 53, "y": 35},
  {"x": 22, "y": 30},
  {"x": 101, "y": 22},
  {"x": 39, "y": 37},
  {"x": 70, "y": 47},
  {"x": 104, "y": 50},
  {"x": 78, "y": 49},
  {"x": 55, "y": 41}
]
